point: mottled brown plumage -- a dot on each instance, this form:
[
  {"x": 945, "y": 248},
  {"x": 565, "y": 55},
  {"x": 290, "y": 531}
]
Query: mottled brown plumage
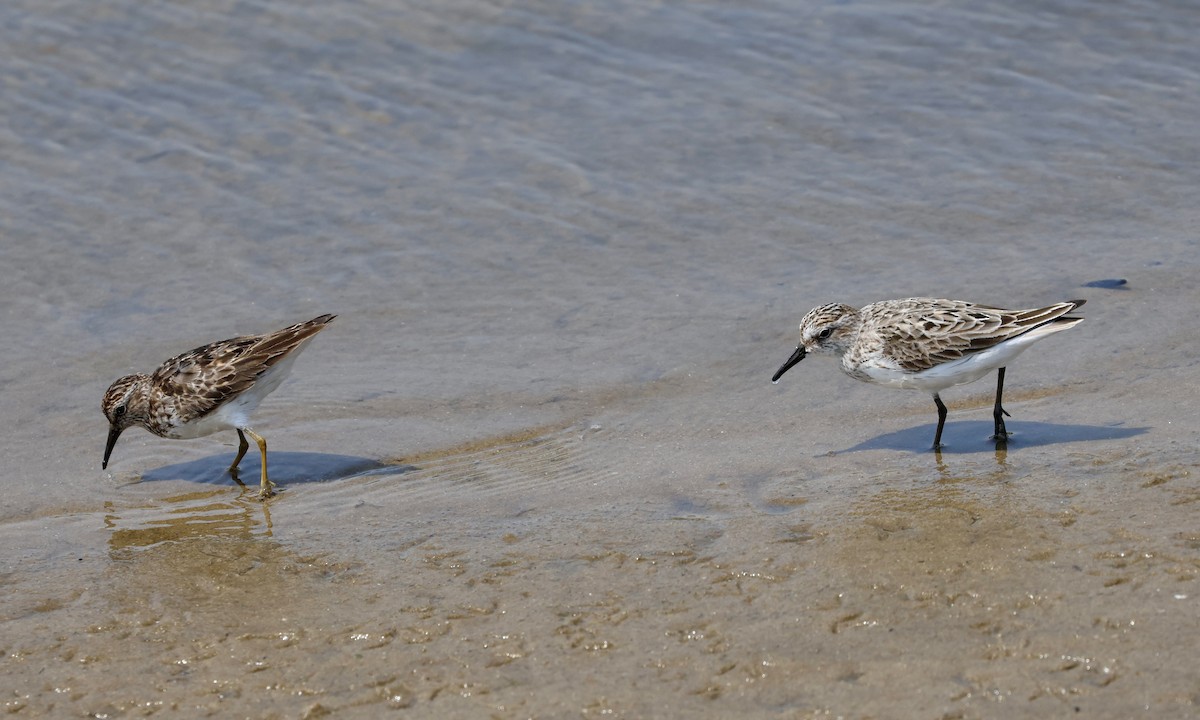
[
  {"x": 920, "y": 333},
  {"x": 927, "y": 343},
  {"x": 214, "y": 387}
]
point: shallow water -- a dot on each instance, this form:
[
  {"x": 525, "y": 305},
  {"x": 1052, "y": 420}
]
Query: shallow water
[{"x": 536, "y": 466}]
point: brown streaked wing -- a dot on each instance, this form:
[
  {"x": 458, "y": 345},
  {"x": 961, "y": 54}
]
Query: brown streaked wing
[
  {"x": 213, "y": 373},
  {"x": 931, "y": 333}
]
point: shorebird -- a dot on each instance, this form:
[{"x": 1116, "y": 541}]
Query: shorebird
[
  {"x": 928, "y": 344},
  {"x": 214, "y": 387}
]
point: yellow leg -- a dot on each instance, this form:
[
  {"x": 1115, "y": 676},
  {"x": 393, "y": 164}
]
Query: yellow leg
[
  {"x": 243, "y": 446},
  {"x": 268, "y": 487}
]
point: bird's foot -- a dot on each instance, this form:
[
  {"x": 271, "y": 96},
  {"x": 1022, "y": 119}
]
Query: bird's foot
[
  {"x": 267, "y": 491},
  {"x": 1002, "y": 434}
]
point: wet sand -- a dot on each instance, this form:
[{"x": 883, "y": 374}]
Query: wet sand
[
  {"x": 521, "y": 576},
  {"x": 536, "y": 467}
]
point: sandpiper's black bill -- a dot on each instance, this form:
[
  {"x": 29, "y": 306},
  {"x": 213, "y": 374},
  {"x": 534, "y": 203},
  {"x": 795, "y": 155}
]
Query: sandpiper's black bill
[
  {"x": 795, "y": 358},
  {"x": 114, "y": 432}
]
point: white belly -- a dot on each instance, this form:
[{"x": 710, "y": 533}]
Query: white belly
[
  {"x": 935, "y": 379},
  {"x": 233, "y": 414},
  {"x": 956, "y": 372}
]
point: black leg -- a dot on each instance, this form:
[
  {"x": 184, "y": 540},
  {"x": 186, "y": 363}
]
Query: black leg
[
  {"x": 937, "y": 437},
  {"x": 243, "y": 446},
  {"x": 998, "y": 412}
]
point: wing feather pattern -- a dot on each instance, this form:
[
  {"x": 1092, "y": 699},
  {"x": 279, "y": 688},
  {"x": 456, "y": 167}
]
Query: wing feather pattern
[
  {"x": 210, "y": 374},
  {"x": 921, "y": 333}
]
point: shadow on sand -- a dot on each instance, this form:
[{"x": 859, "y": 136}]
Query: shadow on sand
[
  {"x": 286, "y": 468},
  {"x": 974, "y": 436}
]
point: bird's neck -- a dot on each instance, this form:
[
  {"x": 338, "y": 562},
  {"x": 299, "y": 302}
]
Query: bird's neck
[{"x": 138, "y": 406}]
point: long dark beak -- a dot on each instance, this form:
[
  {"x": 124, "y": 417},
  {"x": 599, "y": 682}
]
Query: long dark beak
[
  {"x": 114, "y": 432},
  {"x": 795, "y": 358}
]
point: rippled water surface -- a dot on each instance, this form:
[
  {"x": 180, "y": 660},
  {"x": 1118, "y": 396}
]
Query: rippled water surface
[{"x": 536, "y": 467}]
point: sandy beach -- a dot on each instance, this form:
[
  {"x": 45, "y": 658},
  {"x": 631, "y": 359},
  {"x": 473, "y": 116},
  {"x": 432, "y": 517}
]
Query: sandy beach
[{"x": 536, "y": 468}]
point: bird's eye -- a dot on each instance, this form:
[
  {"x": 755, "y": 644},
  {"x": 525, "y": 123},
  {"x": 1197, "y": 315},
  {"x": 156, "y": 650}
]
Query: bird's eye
[
  {"x": 824, "y": 334},
  {"x": 119, "y": 411}
]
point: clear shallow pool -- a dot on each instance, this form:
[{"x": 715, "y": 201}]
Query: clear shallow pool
[{"x": 536, "y": 466}]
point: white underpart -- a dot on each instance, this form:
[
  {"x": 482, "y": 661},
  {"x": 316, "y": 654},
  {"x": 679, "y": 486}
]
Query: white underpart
[
  {"x": 236, "y": 412},
  {"x": 968, "y": 369}
]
